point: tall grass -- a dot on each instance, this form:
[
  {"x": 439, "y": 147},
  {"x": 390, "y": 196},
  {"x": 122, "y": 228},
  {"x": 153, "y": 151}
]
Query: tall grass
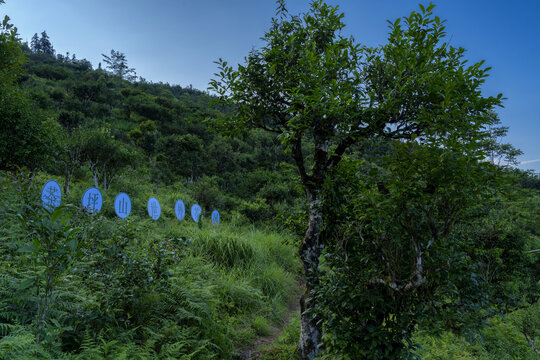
[{"x": 146, "y": 289}]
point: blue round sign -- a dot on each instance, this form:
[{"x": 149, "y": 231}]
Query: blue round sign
[
  {"x": 196, "y": 212},
  {"x": 51, "y": 195},
  {"x": 92, "y": 200},
  {"x": 154, "y": 209},
  {"x": 122, "y": 205},
  {"x": 215, "y": 217},
  {"x": 180, "y": 210}
]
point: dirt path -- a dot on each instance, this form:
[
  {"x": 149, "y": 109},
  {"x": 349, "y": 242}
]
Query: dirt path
[{"x": 253, "y": 352}]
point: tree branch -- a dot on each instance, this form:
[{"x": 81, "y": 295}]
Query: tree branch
[
  {"x": 530, "y": 341},
  {"x": 299, "y": 159},
  {"x": 418, "y": 278},
  {"x": 340, "y": 150}
]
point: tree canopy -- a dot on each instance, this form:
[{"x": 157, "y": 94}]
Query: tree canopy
[
  {"x": 322, "y": 93},
  {"x": 117, "y": 64}
]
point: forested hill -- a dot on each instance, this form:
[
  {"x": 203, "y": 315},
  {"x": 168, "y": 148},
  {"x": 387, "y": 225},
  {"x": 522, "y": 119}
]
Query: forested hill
[
  {"x": 417, "y": 239},
  {"x": 110, "y": 125}
]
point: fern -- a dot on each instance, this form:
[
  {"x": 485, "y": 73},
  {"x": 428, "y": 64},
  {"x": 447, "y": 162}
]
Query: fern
[
  {"x": 21, "y": 345},
  {"x": 7, "y": 329},
  {"x": 89, "y": 349},
  {"x": 133, "y": 294}
]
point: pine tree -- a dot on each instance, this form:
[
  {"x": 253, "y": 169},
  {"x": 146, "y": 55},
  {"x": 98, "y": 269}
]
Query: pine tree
[
  {"x": 42, "y": 44},
  {"x": 35, "y": 43},
  {"x": 45, "y": 44}
]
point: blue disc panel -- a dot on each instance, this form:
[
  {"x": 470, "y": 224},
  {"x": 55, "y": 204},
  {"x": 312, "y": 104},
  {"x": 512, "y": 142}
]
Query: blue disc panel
[
  {"x": 92, "y": 201},
  {"x": 196, "y": 212},
  {"x": 180, "y": 210},
  {"x": 154, "y": 209},
  {"x": 215, "y": 217},
  {"x": 122, "y": 205},
  {"x": 51, "y": 195}
]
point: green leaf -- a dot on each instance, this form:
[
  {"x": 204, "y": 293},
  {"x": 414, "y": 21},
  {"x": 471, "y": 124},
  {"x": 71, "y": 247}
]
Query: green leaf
[
  {"x": 26, "y": 283},
  {"x": 56, "y": 214},
  {"x": 36, "y": 243},
  {"x": 27, "y": 249},
  {"x": 73, "y": 245},
  {"x": 65, "y": 218}
]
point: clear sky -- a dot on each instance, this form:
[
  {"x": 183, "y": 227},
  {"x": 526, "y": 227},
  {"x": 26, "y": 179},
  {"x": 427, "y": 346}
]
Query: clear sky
[{"x": 177, "y": 41}]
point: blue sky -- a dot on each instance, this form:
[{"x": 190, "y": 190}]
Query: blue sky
[{"x": 176, "y": 41}]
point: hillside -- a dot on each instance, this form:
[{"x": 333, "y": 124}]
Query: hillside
[
  {"x": 417, "y": 244},
  {"x": 160, "y": 131}
]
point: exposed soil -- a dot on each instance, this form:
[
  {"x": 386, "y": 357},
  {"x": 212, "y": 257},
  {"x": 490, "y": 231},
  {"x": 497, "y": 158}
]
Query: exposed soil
[{"x": 252, "y": 352}]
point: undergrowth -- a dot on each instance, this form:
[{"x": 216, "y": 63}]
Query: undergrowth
[
  {"x": 135, "y": 288},
  {"x": 502, "y": 339}
]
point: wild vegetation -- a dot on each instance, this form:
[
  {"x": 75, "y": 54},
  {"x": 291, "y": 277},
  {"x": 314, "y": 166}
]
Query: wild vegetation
[
  {"x": 394, "y": 234},
  {"x": 420, "y": 242}
]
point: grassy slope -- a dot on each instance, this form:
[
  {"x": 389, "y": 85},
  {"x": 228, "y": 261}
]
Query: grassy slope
[{"x": 155, "y": 296}]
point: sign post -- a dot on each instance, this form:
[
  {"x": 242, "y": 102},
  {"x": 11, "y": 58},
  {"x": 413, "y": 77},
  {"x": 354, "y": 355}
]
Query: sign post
[
  {"x": 196, "y": 212},
  {"x": 154, "y": 209},
  {"x": 51, "y": 195},
  {"x": 180, "y": 210},
  {"x": 122, "y": 205},
  {"x": 215, "y": 217},
  {"x": 92, "y": 200}
]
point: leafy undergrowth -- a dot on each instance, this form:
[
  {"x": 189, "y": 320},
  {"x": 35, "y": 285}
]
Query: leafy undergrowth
[
  {"x": 503, "y": 339},
  {"x": 76, "y": 286}
]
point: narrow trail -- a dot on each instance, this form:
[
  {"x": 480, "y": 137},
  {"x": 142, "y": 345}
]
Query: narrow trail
[{"x": 253, "y": 352}]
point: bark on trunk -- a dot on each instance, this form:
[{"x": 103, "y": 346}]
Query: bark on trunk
[
  {"x": 67, "y": 182},
  {"x": 310, "y": 250}
]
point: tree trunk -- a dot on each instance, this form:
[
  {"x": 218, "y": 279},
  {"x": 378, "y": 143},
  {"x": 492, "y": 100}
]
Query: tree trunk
[
  {"x": 310, "y": 250},
  {"x": 67, "y": 181},
  {"x": 107, "y": 181}
]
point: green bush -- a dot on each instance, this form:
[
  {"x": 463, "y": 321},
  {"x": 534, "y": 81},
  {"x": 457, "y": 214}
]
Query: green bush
[{"x": 502, "y": 339}]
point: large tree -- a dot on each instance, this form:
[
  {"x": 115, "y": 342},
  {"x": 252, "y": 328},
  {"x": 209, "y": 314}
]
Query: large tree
[
  {"x": 321, "y": 93},
  {"x": 104, "y": 156}
]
